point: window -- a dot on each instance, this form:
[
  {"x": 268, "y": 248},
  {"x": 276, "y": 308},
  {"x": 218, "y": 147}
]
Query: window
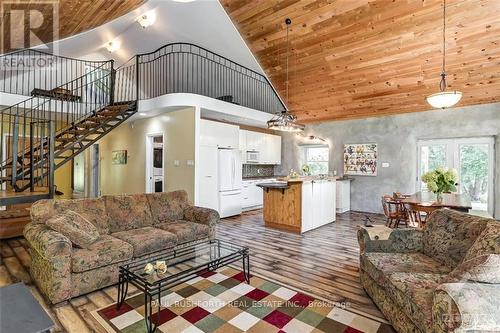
[
  {"x": 317, "y": 159},
  {"x": 473, "y": 160}
]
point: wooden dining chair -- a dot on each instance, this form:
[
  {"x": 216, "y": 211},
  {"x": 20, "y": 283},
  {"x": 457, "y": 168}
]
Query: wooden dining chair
[
  {"x": 418, "y": 214},
  {"x": 394, "y": 211}
]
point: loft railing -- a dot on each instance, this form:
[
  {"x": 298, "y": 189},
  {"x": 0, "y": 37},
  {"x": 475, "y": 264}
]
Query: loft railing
[
  {"x": 187, "y": 68},
  {"x": 31, "y": 130},
  {"x": 27, "y": 126},
  {"x": 23, "y": 71}
]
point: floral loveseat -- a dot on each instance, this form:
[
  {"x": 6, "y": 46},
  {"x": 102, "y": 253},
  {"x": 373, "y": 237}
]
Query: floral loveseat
[
  {"x": 126, "y": 227},
  {"x": 445, "y": 278}
]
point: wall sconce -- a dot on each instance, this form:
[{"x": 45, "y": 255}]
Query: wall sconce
[
  {"x": 147, "y": 19},
  {"x": 113, "y": 45}
]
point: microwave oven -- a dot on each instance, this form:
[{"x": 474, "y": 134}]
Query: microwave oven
[{"x": 252, "y": 157}]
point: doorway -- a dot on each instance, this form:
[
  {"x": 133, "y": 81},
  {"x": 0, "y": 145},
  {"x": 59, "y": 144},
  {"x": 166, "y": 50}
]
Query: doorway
[
  {"x": 155, "y": 179},
  {"x": 472, "y": 158}
]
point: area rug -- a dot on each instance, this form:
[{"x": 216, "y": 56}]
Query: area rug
[{"x": 221, "y": 302}]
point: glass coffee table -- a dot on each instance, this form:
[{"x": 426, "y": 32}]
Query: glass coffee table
[{"x": 183, "y": 263}]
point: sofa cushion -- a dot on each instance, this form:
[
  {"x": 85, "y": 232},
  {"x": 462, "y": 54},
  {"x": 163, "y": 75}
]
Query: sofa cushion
[
  {"x": 449, "y": 235},
  {"x": 79, "y": 230},
  {"x": 91, "y": 209},
  {"x": 42, "y": 210},
  {"x": 147, "y": 240},
  {"x": 413, "y": 293},
  {"x": 127, "y": 212},
  {"x": 168, "y": 206},
  {"x": 105, "y": 251},
  {"x": 380, "y": 265},
  {"x": 482, "y": 260},
  {"x": 185, "y": 231}
]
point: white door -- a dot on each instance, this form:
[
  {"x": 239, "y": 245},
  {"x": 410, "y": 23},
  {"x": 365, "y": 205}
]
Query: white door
[
  {"x": 472, "y": 158},
  {"x": 208, "y": 190},
  {"x": 226, "y": 169}
]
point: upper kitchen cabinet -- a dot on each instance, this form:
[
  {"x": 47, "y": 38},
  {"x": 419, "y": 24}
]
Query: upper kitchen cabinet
[
  {"x": 266, "y": 146},
  {"x": 255, "y": 141},
  {"x": 220, "y": 135}
]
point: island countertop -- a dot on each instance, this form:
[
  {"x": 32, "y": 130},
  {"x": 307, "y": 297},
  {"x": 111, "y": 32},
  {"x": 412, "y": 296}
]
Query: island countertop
[{"x": 299, "y": 204}]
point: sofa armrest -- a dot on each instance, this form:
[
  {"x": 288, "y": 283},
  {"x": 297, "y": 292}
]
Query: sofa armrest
[
  {"x": 202, "y": 215},
  {"x": 384, "y": 239},
  {"x": 47, "y": 242},
  {"x": 466, "y": 306},
  {"x": 50, "y": 265}
]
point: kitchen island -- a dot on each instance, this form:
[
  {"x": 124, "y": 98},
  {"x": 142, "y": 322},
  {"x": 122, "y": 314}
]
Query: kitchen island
[{"x": 300, "y": 204}]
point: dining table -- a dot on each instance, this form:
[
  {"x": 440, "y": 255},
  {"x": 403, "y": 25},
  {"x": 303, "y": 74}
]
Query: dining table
[{"x": 456, "y": 201}]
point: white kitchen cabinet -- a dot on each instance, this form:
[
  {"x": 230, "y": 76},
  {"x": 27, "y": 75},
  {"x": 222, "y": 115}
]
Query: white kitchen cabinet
[
  {"x": 307, "y": 202},
  {"x": 343, "y": 195},
  {"x": 252, "y": 194},
  {"x": 213, "y": 133},
  {"x": 267, "y": 145},
  {"x": 275, "y": 149},
  {"x": 318, "y": 203},
  {"x": 243, "y": 146},
  {"x": 255, "y": 141},
  {"x": 208, "y": 184}
]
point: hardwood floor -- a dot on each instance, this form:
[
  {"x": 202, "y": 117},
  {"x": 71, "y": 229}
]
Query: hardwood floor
[{"x": 323, "y": 262}]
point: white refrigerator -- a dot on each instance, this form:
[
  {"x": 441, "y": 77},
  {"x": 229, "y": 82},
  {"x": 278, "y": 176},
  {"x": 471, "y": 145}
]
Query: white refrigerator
[{"x": 230, "y": 182}]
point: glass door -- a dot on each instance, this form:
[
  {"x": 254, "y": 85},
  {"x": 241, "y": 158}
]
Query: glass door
[
  {"x": 475, "y": 177},
  {"x": 472, "y": 158}
]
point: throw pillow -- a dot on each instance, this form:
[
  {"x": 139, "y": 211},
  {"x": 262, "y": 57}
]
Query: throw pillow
[
  {"x": 482, "y": 260},
  {"x": 79, "y": 230}
]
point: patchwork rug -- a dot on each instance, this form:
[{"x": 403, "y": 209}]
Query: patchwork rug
[{"x": 221, "y": 302}]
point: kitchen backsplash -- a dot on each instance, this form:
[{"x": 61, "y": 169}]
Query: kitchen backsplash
[{"x": 257, "y": 170}]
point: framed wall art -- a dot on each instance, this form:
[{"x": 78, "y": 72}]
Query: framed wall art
[
  {"x": 360, "y": 159},
  {"x": 119, "y": 157}
]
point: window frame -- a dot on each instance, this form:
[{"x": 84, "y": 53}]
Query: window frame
[{"x": 308, "y": 162}]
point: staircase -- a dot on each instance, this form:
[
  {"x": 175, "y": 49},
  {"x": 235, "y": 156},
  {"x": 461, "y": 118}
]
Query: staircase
[
  {"x": 74, "y": 103},
  {"x": 46, "y": 131}
]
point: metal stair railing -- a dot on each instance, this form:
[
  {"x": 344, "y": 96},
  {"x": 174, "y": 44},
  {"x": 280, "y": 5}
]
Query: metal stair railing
[
  {"x": 26, "y": 127},
  {"x": 24, "y": 71}
]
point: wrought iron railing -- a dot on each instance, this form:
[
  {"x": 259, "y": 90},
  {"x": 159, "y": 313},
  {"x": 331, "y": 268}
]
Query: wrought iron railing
[
  {"x": 23, "y": 71},
  {"x": 26, "y": 127},
  {"x": 187, "y": 68},
  {"x": 30, "y": 130}
]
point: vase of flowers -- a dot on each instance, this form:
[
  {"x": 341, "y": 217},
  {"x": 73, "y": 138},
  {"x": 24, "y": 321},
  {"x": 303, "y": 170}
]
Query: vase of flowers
[{"x": 441, "y": 180}]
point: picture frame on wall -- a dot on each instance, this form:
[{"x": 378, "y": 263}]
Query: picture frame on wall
[
  {"x": 119, "y": 157},
  {"x": 360, "y": 159}
]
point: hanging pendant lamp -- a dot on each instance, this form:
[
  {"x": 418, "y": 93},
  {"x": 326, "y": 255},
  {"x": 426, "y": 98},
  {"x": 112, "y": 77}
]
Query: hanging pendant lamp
[
  {"x": 444, "y": 99},
  {"x": 285, "y": 121}
]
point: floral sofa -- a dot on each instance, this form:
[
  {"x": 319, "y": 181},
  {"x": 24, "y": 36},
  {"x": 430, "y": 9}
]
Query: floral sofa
[
  {"x": 126, "y": 227},
  {"x": 445, "y": 278}
]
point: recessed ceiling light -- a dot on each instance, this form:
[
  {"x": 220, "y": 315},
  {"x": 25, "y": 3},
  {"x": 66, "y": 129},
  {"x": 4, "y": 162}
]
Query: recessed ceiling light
[
  {"x": 147, "y": 19},
  {"x": 142, "y": 114},
  {"x": 113, "y": 45}
]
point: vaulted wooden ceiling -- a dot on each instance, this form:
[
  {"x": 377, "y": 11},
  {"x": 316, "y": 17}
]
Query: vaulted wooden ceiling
[
  {"x": 75, "y": 16},
  {"x": 361, "y": 58}
]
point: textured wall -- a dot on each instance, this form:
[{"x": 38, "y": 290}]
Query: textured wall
[{"x": 397, "y": 144}]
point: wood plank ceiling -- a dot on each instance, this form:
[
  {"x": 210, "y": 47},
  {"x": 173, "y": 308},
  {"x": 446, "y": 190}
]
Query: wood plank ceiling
[
  {"x": 75, "y": 16},
  {"x": 361, "y": 58}
]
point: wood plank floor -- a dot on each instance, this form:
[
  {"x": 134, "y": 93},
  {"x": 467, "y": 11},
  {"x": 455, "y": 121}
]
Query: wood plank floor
[{"x": 323, "y": 262}]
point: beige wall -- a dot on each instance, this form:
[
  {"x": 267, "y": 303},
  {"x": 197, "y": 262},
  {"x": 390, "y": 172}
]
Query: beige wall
[{"x": 178, "y": 128}]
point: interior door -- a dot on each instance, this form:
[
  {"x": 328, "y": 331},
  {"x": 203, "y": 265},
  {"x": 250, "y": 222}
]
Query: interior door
[{"x": 472, "y": 158}]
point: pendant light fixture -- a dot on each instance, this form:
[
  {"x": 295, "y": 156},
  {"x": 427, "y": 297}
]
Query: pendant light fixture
[
  {"x": 444, "y": 99},
  {"x": 285, "y": 121}
]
